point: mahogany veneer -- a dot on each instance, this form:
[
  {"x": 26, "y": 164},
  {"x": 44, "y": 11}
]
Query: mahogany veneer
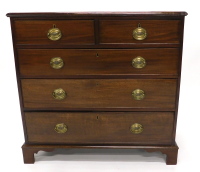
[
  {"x": 83, "y": 128},
  {"x": 99, "y": 107},
  {"x": 96, "y": 63}
]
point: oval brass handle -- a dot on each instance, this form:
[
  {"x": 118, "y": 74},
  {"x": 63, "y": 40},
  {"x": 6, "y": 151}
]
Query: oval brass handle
[
  {"x": 61, "y": 128},
  {"x": 56, "y": 63},
  {"x": 136, "y": 128},
  {"x": 139, "y": 33},
  {"x": 138, "y": 94},
  {"x": 59, "y": 94},
  {"x": 54, "y": 33},
  {"x": 139, "y": 62}
]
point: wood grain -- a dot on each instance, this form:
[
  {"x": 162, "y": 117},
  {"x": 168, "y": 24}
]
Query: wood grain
[
  {"x": 98, "y": 93},
  {"x": 100, "y": 128},
  {"x": 121, "y": 31},
  {"x": 99, "y": 108},
  {"x": 34, "y": 63},
  {"x": 73, "y": 31}
]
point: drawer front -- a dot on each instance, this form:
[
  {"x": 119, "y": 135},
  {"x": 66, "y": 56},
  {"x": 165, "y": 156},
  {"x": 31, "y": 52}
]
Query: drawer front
[
  {"x": 158, "y": 31},
  {"x": 100, "y": 128},
  {"x": 72, "y": 31},
  {"x": 98, "y": 93},
  {"x": 76, "y": 63}
]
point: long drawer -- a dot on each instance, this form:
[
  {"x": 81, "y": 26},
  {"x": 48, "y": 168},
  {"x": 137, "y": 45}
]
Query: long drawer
[
  {"x": 61, "y": 94},
  {"x": 42, "y": 63},
  {"x": 100, "y": 128}
]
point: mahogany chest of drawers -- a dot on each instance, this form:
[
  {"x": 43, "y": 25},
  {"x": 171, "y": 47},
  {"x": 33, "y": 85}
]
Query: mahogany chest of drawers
[{"x": 98, "y": 80}]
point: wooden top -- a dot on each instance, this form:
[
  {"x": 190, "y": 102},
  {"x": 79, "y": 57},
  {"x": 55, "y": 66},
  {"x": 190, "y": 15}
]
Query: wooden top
[{"x": 126, "y": 13}]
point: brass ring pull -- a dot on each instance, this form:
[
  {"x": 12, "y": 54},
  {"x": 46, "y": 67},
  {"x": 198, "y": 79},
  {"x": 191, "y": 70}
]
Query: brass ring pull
[
  {"x": 56, "y": 63},
  {"x": 136, "y": 128},
  {"x": 54, "y": 33},
  {"x": 139, "y": 33},
  {"x": 59, "y": 94},
  {"x": 139, "y": 62},
  {"x": 61, "y": 128},
  {"x": 138, "y": 94}
]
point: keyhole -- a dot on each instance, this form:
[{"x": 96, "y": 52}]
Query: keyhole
[
  {"x": 97, "y": 117},
  {"x": 97, "y": 54}
]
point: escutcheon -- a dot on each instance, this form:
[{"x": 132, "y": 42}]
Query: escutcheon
[
  {"x": 56, "y": 63},
  {"x": 139, "y": 33},
  {"x": 139, "y": 62},
  {"x": 54, "y": 33},
  {"x": 59, "y": 94},
  {"x": 138, "y": 94},
  {"x": 136, "y": 128},
  {"x": 61, "y": 128}
]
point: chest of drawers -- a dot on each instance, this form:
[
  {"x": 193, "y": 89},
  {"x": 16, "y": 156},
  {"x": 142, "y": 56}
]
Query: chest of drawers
[{"x": 98, "y": 80}]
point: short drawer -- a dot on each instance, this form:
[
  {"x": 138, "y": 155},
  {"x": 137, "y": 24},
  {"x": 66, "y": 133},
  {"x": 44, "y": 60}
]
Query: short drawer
[
  {"x": 157, "y": 31},
  {"x": 69, "y": 63},
  {"x": 61, "y": 94},
  {"x": 70, "y": 32},
  {"x": 144, "y": 128}
]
